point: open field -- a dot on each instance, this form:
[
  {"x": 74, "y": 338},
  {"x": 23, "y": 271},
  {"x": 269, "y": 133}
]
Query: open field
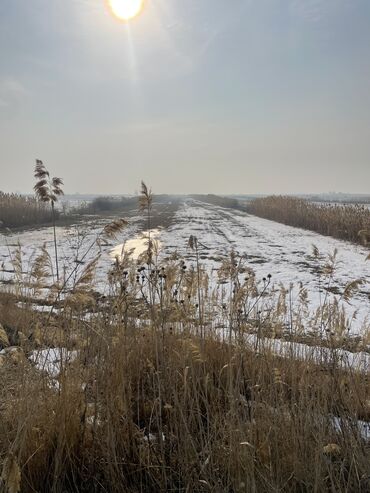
[
  {"x": 211, "y": 335},
  {"x": 225, "y": 354},
  {"x": 267, "y": 247}
]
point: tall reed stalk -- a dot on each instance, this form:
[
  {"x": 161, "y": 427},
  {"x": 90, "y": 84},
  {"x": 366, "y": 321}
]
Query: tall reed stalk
[{"x": 48, "y": 190}]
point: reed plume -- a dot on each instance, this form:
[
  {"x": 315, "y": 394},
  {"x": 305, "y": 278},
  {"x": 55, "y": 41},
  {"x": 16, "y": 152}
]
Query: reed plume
[{"x": 48, "y": 190}]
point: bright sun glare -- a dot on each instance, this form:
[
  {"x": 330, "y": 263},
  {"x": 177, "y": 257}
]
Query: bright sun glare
[{"x": 126, "y": 9}]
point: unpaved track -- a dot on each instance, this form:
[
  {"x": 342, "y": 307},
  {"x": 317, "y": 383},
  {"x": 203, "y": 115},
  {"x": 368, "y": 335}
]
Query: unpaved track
[{"x": 270, "y": 248}]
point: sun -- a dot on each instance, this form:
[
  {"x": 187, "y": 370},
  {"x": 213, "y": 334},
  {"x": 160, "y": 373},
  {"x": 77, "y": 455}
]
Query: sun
[{"x": 126, "y": 9}]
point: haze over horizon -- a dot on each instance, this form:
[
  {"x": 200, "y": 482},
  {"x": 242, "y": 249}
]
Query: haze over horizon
[{"x": 193, "y": 97}]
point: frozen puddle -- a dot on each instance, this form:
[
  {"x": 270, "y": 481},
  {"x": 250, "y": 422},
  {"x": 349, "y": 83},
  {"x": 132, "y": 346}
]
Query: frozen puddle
[{"x": 138, "y": 245}]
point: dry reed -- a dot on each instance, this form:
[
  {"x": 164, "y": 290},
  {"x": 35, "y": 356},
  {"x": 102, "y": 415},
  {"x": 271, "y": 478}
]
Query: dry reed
[
  {"x": 346, "y": 222},
  {"x": 18, "y": 211},
  {"x": 157, "y": 386}
]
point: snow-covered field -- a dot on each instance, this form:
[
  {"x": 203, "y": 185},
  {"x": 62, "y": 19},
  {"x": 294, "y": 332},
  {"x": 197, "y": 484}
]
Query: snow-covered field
[
  {"x": 269, "y": 248},
  {"x": 76, "y": 248}
]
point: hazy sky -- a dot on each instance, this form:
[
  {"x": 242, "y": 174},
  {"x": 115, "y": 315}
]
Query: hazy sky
[{"x": 222, "y": 96}]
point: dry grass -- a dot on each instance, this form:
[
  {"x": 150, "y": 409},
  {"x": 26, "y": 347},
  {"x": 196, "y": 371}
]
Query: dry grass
[
  {"x": 146, "y": 410},
  {"x": 150, "y": 397},
  {"x": 346, "y": 222},
  {"x": 17, "y": 211},
  {"x": 156, "y": 386}
]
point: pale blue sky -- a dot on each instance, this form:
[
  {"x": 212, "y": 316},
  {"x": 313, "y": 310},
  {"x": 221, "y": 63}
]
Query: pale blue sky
[{"x": 222, "y": 96}]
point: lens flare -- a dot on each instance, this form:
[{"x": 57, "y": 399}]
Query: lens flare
[{"x": 126, "y": 9}]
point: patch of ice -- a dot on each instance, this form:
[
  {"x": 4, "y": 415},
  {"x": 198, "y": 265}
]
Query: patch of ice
[{"x": 137, "y": 245}]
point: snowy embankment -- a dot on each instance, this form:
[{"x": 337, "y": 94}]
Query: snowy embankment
[
  {"x": 268, "y": 247},
  {"x": 272, "y": 248}
]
